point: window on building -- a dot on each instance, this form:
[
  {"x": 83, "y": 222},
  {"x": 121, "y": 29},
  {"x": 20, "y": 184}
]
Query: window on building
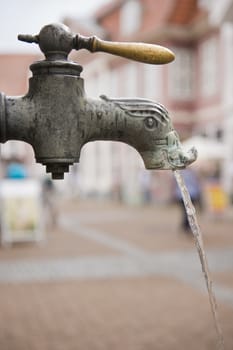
[
  {"x": 14, "y": 149},
  {"x": 207, "y": 4},
  {"x": 152, "y": 82},
  {"x": 182, "y": 75},
  {"x": 130, "y": 17},
  {"x": 208, "y": 67},
  {"x": 129, "y": 76},
  {"x": 219, "y": 134},
  {"x": 114, "y": 82}
]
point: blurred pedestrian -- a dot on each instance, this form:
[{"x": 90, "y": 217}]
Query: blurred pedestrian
[
  {"x": 145, "y": 186},
  {"x": 49, "y": 200}
]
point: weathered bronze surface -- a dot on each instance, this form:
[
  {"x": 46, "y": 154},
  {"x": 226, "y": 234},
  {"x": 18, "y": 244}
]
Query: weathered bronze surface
[{"x": 57, "y": 119}]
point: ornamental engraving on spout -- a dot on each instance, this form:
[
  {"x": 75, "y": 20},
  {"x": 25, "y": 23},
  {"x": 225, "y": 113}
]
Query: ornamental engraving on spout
[{"x": 165, "y": 148}]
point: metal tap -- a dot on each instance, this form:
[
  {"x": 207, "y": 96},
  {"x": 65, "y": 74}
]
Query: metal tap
[{"x": 56, "y": 118}]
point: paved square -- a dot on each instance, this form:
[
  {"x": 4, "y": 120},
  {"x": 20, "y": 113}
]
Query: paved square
[{"x": 114, "y": 277}]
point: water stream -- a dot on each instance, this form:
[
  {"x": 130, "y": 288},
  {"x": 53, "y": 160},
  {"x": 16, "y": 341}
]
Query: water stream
[{"x": 192, "y": 218}]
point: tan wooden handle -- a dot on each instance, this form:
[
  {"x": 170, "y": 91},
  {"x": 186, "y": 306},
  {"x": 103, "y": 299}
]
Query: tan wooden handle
[{"x": 142, "y": 52}]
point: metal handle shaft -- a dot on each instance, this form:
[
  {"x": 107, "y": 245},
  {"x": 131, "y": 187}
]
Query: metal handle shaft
[
  {"x": 142, "y": 52},
  {"x": 57, "y": 38}
]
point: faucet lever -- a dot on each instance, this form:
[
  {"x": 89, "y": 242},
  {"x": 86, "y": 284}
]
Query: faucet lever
[
  {"x": 142, "y": 52},
  {"x": 56, "y": 42}
]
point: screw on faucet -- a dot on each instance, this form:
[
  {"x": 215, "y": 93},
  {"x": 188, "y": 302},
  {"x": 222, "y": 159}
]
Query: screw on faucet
[{"x": 57, "y": 170}]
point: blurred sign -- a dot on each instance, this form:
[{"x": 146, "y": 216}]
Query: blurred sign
[
  {"x": 21, "y": 216},
  {"x": 217, "y": 200}
]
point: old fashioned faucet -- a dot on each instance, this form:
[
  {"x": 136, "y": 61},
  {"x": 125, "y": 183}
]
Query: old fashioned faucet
[{"x": 56, "y": 118}]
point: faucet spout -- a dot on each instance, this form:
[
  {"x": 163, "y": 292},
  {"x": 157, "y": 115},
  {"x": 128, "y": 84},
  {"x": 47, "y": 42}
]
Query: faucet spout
[{"x": 142, "y": 124}]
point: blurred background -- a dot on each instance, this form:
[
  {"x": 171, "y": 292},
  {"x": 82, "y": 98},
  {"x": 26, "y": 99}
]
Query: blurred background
[{"x": 105, "y": 257}]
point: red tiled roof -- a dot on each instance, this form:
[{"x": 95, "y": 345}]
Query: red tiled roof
[
  {"x": 185, "y": 12},
  {"x": 107, "y": 8},
  {"x": 159, "y": 18}
]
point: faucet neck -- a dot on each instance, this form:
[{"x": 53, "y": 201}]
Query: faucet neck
[{"x": 56, "y": 67}]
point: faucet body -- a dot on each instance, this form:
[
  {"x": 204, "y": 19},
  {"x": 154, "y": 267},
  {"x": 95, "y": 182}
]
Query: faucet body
[{"x": 56, "y": 118}]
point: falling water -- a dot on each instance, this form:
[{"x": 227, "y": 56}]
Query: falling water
[{"x": 190, "y": 210}]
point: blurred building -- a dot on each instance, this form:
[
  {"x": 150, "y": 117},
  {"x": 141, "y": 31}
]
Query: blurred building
[
  {"x": 221, "y": 16},
  {"x": 196, "y": 88}
]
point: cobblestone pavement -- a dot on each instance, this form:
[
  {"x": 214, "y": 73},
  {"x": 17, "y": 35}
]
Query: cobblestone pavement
[{"x": 119, "y": 277}]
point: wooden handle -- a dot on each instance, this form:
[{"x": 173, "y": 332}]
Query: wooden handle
[{"x": 146, "y": 53}]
